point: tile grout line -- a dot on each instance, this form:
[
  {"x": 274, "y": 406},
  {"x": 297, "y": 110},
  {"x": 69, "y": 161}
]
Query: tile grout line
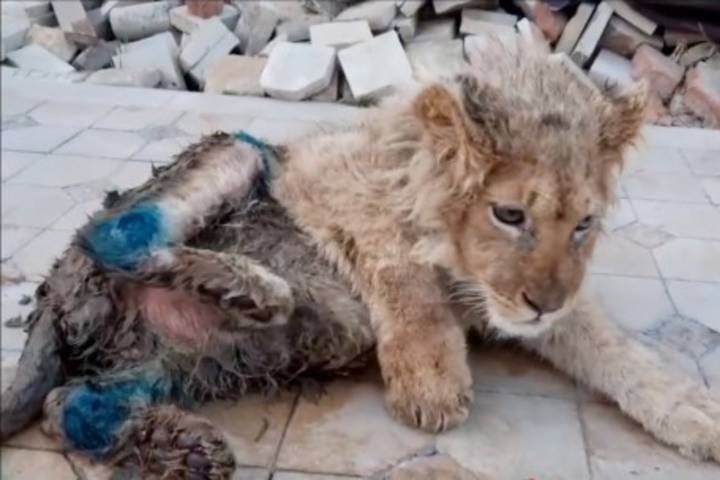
[
  {"x": 273, "y": 463},
  {"x": 584, "y": 436}
]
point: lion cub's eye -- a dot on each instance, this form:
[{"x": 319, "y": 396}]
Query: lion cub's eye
[
  {"x": 584, "y": 224},
  {"x": 512, "y": 216}
]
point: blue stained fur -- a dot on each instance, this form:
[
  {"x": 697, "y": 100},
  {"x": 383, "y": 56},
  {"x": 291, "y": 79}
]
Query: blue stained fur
[
  {"x": 266, "y": 152},
  {"x": 126, "y": 240},
  {"x": 94, "y": 415}
]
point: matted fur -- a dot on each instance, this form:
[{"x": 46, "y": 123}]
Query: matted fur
[{"x": 384, "y": 233}]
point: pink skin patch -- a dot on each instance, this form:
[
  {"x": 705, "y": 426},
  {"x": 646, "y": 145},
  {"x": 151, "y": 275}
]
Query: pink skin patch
[{"x": 177, "y": 316}]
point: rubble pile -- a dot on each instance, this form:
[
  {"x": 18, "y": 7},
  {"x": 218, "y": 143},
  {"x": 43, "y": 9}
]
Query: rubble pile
[{"x": 349, "y": 50}]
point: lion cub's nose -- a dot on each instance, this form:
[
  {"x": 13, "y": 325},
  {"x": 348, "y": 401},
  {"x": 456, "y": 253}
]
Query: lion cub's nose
[{"x": 546, "y": 301}]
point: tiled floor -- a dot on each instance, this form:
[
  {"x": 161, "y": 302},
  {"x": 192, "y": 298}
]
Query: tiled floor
[{"x": 657, "y": 273}]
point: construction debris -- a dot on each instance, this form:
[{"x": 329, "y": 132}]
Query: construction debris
[{"x": 290, "y": 49}]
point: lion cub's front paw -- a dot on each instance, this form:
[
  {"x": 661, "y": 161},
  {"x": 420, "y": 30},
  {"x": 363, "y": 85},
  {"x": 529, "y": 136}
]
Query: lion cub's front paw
[
  {"x": 430, "y": 402},
  {"x": 694, "y": 425}
]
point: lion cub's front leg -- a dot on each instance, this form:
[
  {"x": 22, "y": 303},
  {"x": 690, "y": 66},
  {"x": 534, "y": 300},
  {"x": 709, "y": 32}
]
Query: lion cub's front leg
[
  {"x": 421, "y": 349},
  {"x": 668, "y": 404}
]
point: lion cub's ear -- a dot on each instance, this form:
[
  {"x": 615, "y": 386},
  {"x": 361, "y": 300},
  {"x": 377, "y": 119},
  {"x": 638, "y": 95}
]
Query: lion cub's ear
[
  {"x": 453, "y": 140},
  {"x": 622, "y": 117}
]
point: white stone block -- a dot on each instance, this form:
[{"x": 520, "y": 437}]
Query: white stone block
[
  {"x": 376, "y": 67},
  {"x": 640, "y": 21},
  {"x": 439, "y": 29},
  {"x": 53, "y": 40},
  {"x": 410, "y": 7},
  {"x": 29, "y": 9},
  {"x": 73, "y": 19},
  {"x": 127, "y": 77},
  {"x": 14, "y": 30},
  {"x": 592, "y": 34},
  {"x": 267, "y": 49},
  {"x": 532, "y": 35},
  {"x": 255, "y": 27},
  {"x": 406, "y": 27},
  {"x": 159, "y": 51},
  {"x": 331, "y": 92},
  {"x": 298, "y": 29},
  {"x": 431, "y": 60},
  {"x": 235, "y": 75},
  {"x": 378, "y": 13},
  {"x": 445, "y": 6},
  {"x": 35, "y": 57},
  {"x": 574, "y": 28},
  {"x": 611, "y": 68},
  {"x": 181, "y": 18},
  {"x": 340, "y": 34},
  {"x": 143, "y": 20},
  {"x": 474, "y": 22},
  {"x": 473, "y": 16},
  {"x": 296, "y": 71},
  {"x": 207, "y": 43},
  {"x": 96, "y": 57}
]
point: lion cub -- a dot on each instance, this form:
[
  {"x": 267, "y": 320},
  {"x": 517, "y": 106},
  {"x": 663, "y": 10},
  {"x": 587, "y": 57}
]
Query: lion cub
[{"x": 479, "y": 200}]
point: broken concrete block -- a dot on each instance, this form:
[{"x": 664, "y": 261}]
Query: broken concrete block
[
  {"x": 157, "y": 52},
  {"x": 14, "y": 30},
  {"x": 101, "y": 23},
  {"x": 127, "y": 77},
  {"x": 378, "y": 13},
  {"x": 610, "y": 68},
  {"x": 235, "y": 75},
  {"x": 532, "y": 35},
  {"x": 702, "y": 92},
  {"x": 476, "y": 46},
  {"x": 18, "y": 73},
  {"x": 209, "y": 42},
  {"x": 330, "y": 93},
  {"x": 410, "y": 7},
  {"x": 475, "y": 20},
  {"x": 53, "y": 40},
  {"x": 406, "y": 27},
  {"x": 440, "y": 29},
  {"x": 29, "y": 9},
  {"x": 134, "y": 22},
  {"x": 97, "y": 56},
  {"x": 590, "y": 38},
  {"x": 267, "y": 50},
  {"x": 623, "y": 38},
  {"x": 296, "y": 71},
  {"x": 697, "y": 53},
  {"x": 376, "y": 67},
  {"x": 445, "y": 6},
  {"x": 430, "y": 60},
  {"x": 74, "y": 21},
  {"x": 298, "y": 29},
  {"x": 35, "y": 57},
  {"x": 662, "y": 73},
  {"x": 183, "y": 20},
  {"x": 632, "y": 16},
  {"x": 255, "y": 27},
  {"x": 340, "y": 34},
  {"x": 574, "y": 28}
]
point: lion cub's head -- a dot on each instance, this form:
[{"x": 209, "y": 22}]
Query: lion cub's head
[{"x": 529, "y": 155}]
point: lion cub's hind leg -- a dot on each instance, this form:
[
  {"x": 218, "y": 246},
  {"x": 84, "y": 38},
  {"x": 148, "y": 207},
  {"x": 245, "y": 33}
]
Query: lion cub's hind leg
[{"x": 130, "y": 422}]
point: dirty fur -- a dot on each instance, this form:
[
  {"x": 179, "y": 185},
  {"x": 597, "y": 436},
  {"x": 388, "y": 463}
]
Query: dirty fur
[{"x": 384, "y": 235}]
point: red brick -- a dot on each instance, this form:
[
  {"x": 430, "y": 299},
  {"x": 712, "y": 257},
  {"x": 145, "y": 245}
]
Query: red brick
[
  {"x": 661, "y": 72},
  {"x": 702, "y": 92}
]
